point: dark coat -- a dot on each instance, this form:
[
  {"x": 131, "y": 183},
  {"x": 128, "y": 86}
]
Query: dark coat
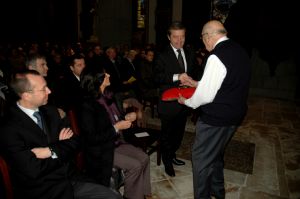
[
  {"x": 32, "y": 177},
  {"x": 98, "y": 136},
  {"x": 166, "y": 65}
]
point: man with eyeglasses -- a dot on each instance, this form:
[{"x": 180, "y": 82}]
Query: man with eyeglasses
[
  {"x": 221, "y": 95},
  {"x": 39, "y": 156}
]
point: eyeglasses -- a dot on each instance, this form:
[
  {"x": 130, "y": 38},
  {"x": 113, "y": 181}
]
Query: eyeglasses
[
  {"x": 41, "y": 90},
  {"x": 202, "y": 35}
]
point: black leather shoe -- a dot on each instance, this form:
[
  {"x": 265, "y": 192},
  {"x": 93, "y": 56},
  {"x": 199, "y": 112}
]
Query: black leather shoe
[
  {"x": 170, "y": 170},
  {"x": 178, "y": 162}
]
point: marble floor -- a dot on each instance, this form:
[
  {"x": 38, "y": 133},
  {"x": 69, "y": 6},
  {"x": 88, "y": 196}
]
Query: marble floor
[{"x": 274, "y": 126}]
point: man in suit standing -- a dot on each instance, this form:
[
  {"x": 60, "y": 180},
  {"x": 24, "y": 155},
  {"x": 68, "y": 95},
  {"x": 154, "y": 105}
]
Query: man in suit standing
[
  {"x": 172, "y": 69},
  {"x": 38, "y": 146}
]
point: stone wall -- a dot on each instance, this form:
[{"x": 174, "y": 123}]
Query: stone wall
[{"x": 282, "y": 85}]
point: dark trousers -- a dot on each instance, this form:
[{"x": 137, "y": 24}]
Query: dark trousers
[
  {"x": 207, "y": 159},
  {"x": 172, "y": 130}
]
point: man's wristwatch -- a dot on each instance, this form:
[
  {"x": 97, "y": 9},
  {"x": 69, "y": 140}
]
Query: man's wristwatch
[{"x": 53, "y": 154}]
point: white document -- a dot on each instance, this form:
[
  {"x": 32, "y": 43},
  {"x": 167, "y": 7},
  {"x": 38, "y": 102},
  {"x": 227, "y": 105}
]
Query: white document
[{"x": 142, "y": 134}]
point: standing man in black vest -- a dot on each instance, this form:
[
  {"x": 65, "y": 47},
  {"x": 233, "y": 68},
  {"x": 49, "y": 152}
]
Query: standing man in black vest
[
  {"x": 172, "y": 68},
  {"x": 222, "y": 96}
]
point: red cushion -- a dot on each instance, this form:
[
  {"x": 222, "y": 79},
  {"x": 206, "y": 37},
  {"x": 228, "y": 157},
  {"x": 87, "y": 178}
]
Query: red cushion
[{"x": 173, "y": 93}]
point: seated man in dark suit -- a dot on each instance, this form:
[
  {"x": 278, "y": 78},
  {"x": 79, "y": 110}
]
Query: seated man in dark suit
[
  {"x": 39, "y": 148},
  {"x": 69, "y": 92}
]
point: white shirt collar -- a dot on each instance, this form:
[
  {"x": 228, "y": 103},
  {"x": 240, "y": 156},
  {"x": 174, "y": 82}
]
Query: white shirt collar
[
  {"x": 77, "y": 77},
  {"x": 175, "y": 49},
  {"x": 221, "y": 39},
  {"x": 28, "y": 111}
]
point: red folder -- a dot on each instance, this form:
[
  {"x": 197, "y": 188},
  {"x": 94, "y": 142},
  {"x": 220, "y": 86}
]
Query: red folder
[{"x": 173, "y": 93}]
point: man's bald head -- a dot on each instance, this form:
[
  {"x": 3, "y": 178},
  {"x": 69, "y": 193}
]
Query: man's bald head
[
  {"x": 213, "y": 27},
  {"x": 212, "y": 31}
]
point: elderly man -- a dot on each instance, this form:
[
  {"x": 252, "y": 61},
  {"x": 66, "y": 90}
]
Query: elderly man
[
  {"x": 38, "y": 146},
  {"x": 221, "y": 95}
]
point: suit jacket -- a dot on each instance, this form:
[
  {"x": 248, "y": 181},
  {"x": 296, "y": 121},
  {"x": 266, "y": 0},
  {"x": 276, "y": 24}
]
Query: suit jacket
[
  {"x": 32, "y": 177},
  {"x": 166, "y": 65},
  {"x": 70, "y": 93}
]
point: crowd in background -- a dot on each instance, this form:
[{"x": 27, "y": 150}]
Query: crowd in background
[{"x": 128, "y": 62}]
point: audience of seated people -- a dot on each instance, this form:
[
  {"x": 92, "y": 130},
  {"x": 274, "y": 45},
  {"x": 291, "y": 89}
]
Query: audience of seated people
[
  {"x": 145, "y": 79},
  {"x": 102, "y": 125},
  {"x": 111, "y": 64},
  {"x": 39, "y": 149},
  {"x": 129, "y": 73},
  {"x": 67, "y": 66}
]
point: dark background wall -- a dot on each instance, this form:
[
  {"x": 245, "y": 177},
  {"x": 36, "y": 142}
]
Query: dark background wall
[{"x": 38, "y": 20}]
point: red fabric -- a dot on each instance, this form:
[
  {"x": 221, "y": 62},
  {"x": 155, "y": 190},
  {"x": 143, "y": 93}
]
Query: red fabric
[{"x": 173, "y": 93}]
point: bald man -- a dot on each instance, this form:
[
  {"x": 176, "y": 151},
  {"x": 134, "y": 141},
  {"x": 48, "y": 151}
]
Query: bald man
[{"x": 221, "y": 95}]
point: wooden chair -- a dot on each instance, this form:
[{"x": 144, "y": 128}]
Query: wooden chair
[
  {"x": 75, "y": 128},
  {"x": 6, "y": 179}
]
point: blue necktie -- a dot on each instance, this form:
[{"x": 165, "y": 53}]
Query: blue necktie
[{"x": 39, "y": 119}]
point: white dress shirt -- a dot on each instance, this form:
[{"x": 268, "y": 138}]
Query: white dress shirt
[
  {"x": 212, "y": 79},
  {"x": 176, "y": 76}
]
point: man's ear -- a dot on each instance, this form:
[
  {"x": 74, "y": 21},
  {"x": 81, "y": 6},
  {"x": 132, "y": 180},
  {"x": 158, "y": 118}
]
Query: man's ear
[
  {"x": 71, "y": 68},
  {"x": 168, "y": 37},
  {"x": 25, "y": 95}
]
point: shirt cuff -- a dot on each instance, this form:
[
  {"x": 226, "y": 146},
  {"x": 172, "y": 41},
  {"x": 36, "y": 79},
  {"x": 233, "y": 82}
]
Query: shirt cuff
[
  {"x": 117, "y": 130},
  {"x": 175, "y": 77},
  {"x": 53, "y": 154}
]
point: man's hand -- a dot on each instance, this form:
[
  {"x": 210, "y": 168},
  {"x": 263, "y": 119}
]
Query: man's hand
[
  {"x": 184, "y": 79},
  {"x": 181, "y": 99},
  {"x": 41, "y": 152},
  {"x": 191, "y": 83},
  {"x": 61, "y": 112},
  {"x": 65, "y": 133}
]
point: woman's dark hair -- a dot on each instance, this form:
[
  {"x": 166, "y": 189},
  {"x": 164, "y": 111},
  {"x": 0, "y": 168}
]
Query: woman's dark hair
[{"x": 90, "y": 83}]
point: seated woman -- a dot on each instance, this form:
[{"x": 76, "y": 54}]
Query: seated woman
[{"x": 101, "y": 126}]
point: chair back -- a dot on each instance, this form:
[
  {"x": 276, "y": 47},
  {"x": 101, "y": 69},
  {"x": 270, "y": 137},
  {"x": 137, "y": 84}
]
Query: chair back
[
  {"x": 75, "y": 128},
  {"x": 6, "y": 179}
]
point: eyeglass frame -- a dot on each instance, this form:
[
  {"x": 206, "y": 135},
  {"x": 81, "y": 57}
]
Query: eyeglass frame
[
  {"x": 202, "y": 35},
  {"x": 41, "y": 90}
]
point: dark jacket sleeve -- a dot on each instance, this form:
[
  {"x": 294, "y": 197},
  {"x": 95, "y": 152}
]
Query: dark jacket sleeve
[
  {"x": 20, "y": 134},
  {"x": 95, "y": 125}
]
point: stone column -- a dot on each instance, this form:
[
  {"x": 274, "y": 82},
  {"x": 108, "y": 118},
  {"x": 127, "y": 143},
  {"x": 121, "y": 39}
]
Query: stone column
[{"x": 177, "y": 10}]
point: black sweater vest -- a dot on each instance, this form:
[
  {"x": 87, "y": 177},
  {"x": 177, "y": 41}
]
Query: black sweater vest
[{"x": 230, "y": 104}]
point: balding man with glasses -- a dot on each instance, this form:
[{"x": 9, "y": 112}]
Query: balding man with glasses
[{"x": 221, "y": 95}]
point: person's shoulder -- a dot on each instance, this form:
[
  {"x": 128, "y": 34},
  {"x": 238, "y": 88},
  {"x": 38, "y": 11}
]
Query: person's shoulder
[
  {"x": 49, "y": 110},
  {"x": 11, "y": 119}
]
